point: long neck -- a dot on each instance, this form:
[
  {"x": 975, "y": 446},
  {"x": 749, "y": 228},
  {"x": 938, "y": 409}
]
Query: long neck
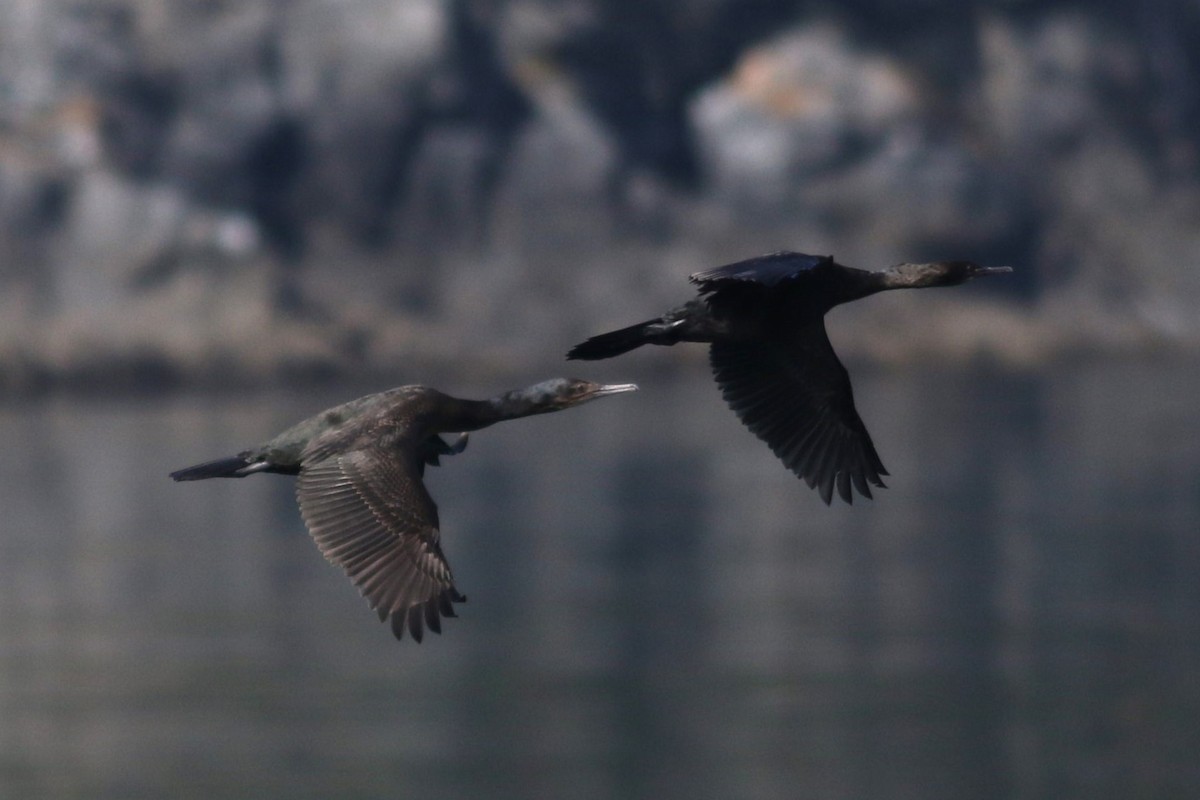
[
  {"x": 849, "y": 284},
  {"x": 536, "y": 399},
  {"x": 855, "y": 284},
  {"x": 471, "y": 415}
]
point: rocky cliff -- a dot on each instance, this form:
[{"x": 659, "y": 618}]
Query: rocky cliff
[{"x": 245, "y": 192}]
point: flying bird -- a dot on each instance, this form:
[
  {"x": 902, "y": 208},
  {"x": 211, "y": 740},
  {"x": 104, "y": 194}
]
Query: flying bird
[
  {"x": 360, "y": 487},
  {"x": 764, "y": 321}
]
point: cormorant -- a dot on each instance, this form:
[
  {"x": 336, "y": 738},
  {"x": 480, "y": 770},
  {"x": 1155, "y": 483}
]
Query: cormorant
[
  {"x": 764, "y": 319},
  {"x": 360, "y": 487}
]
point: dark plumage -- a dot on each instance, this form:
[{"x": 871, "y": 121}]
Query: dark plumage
[
  {"x": 360, "y": 488},
  {"x": 764, "y": 319}
]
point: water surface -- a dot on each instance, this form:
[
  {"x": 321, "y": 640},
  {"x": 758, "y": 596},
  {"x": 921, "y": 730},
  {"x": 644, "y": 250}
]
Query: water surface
[{"x": 657, "y": 608}]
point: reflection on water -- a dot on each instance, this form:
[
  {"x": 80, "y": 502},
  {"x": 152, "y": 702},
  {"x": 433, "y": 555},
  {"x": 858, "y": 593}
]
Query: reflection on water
[{"x": 657, "y": 609}]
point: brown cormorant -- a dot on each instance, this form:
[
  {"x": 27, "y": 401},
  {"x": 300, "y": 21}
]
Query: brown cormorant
[
  {"x": 360, "y": 487},
  {"x": 764, "y": 319}
]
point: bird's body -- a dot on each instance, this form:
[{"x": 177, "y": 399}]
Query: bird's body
[
  {"x": 764, "y": 319},
  {"x": 360, "y": 467}
]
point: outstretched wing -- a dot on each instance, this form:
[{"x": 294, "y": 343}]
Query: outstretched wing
[
  {"x": 795, "y": 395},
  {"x": 370, "y": 514}
]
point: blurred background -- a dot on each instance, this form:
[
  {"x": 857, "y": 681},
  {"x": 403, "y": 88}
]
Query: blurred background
[{"x": 217, "y": 218}]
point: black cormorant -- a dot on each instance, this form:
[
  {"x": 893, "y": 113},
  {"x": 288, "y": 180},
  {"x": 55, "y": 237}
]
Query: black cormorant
[
  {"x": 765, "y": 321},
  {"x": 360, "y": 487}
]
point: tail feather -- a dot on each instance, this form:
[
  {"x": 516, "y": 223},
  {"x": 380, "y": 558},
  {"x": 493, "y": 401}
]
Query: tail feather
[
  {"x": 232, "y": 467},
  {"x": 614, "y": 343}
]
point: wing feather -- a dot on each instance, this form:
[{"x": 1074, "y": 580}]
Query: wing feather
[
  {"x": 769, "y": 270},
  {"x": 794, "y": 394},
  {"x": 369, "y": 513}
]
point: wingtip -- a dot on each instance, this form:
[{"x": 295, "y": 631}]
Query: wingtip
[{"x": 414, "y": 621}]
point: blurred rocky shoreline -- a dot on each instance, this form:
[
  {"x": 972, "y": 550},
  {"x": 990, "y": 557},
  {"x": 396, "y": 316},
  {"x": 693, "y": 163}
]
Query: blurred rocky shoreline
[{"x": 263, "y": 192}]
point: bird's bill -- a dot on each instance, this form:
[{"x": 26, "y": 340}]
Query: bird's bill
[
  {"x": 614, "y": 388},
  {"x": 983, "y": 272}
]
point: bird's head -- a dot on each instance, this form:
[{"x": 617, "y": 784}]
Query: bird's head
[
  {"x": 559, "y": 393},
  {"x": 945, "y": 273}
]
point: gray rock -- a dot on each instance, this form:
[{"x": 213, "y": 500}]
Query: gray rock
[{"x": 233, "y": 188}]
